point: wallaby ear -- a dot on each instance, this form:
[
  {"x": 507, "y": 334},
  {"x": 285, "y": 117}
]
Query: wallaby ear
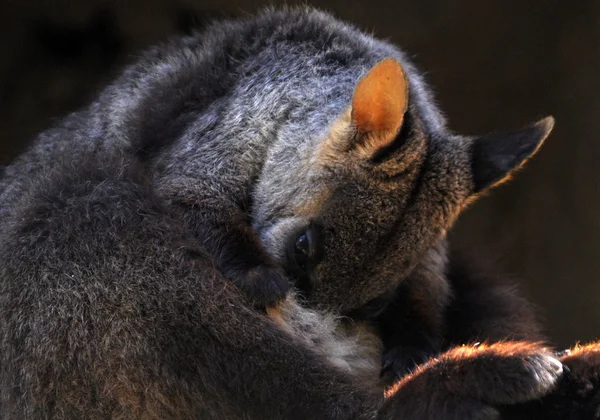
[
  {"x": 379, "y": 103},
  {"x": 496, "y": 156}
]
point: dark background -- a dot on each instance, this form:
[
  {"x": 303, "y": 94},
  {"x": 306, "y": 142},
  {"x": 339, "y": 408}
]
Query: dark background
[{"x": 492, "y": 64}]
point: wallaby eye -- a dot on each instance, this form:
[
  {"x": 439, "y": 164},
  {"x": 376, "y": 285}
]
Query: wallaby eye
[
  {"x": 305, "y": 250},
  {"x": 302, "y": 249},
  {"x": 308, "y": 247}
]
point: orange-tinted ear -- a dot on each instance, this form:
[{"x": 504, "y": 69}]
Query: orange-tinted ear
[{"x": 379, "y": 103}]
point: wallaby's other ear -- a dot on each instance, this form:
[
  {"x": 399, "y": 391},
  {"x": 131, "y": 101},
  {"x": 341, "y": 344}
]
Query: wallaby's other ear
[
  {"x": 496, "y": 156},
  {"x": 379, "y": 103}
]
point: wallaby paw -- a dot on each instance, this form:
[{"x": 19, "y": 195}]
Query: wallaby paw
[
  {"x": 576, "y": 395},
  {"x": 501, "y": 373},
  {"x": 583, "y": 362},
  {"x": 541, "y": 374},
  {"x": 263, "y": 285},
  {"x": 469, "y": 382},
  {"x": 400, "y": 361}
]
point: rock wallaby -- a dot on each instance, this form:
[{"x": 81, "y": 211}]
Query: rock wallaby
[{"x": 149, "y": 242}]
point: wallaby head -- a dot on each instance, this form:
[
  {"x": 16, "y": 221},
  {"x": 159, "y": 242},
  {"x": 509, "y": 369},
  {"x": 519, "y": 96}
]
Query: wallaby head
[{"x": 351, "y": 217}]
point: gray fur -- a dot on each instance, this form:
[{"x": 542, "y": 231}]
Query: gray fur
[{"x": 121, "y": 227}]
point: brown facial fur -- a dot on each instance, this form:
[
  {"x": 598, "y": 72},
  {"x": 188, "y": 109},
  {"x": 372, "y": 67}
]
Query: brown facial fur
[{"x": 383, "y": 188}]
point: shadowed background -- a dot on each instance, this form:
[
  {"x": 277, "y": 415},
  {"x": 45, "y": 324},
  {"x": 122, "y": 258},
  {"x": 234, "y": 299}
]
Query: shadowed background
[{"x": 493, "y": 65}]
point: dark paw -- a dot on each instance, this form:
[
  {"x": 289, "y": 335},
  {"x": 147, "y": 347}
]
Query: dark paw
[
  {"x": 509, "y": 372},
  {"x": 399, "y": 361},
  {"x": 499, "y": 373},
  {"x": 576, "y": 395},
  {"x": 470, "y": 382},
  {"x": 263, "y": 285}
]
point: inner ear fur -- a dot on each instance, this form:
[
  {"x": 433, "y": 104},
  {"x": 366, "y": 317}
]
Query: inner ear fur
[{"x": 379, "y": 103}]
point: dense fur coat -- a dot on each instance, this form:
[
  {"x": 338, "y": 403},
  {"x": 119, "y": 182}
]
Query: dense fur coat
[{"x": 142, "y": 237}]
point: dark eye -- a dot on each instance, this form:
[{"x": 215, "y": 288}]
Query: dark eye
[
  {"x": 302, "y": 249},
  {"x": 304, "y": 252},
  {"x": 308, "y": 247},
  {"x": 305, "y": 249}
]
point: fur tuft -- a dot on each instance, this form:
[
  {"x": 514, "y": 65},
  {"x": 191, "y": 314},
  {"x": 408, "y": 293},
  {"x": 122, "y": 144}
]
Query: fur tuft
[{"x": 350, "y": 346}]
